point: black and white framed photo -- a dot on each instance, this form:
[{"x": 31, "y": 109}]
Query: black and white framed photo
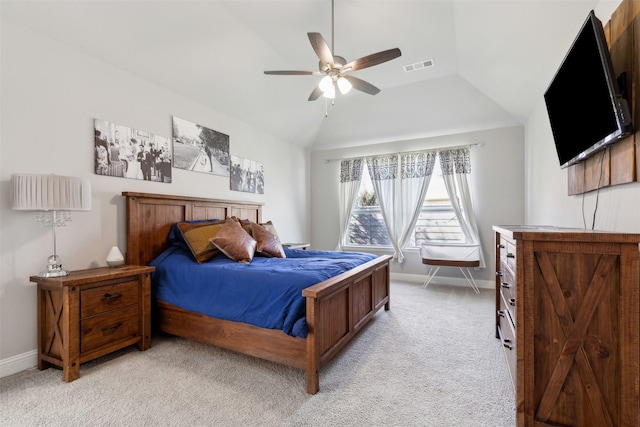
[
  {"x": 131, "y": 153},
  {"x": 247, "y": 175},
  {"x": 198, "y": 148}
]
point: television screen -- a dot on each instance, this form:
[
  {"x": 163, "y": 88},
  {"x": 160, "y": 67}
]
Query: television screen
[{"x": 586, "y": 111}]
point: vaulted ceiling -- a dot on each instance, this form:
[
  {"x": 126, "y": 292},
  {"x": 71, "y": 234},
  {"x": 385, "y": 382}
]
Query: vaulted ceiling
[{"x": 492, "y": 59}]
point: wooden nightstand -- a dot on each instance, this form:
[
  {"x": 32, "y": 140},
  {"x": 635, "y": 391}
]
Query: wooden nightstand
[
  {"x": 90, "y": 313},
  {"x": 295, "y": 245}
]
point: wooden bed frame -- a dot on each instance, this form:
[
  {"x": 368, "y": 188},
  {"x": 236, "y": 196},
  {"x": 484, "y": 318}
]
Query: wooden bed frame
[{"x": 337, "y": 308}]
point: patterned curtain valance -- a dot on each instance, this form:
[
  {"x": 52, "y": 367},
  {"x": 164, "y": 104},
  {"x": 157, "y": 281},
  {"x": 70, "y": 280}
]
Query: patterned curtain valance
[
  {"x": 383, "y": 167},
  {"x": 455, "y": 161},
  {"x": 351, "y": 170},
  {"x": 417, "y": 165}
]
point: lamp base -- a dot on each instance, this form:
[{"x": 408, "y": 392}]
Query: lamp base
[
  {"x": 54, "y": 268},
  {"x": 59, "y": 273}
]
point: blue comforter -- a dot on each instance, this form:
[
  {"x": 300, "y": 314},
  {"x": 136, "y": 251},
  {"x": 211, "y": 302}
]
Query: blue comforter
[{"x": 266, "y": 292}]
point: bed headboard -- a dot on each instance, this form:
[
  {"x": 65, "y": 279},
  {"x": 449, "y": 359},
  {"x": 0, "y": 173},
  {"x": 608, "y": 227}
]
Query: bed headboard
[{"x": 150, "y": 216}]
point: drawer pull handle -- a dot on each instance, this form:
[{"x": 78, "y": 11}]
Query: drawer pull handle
[
  {"x": 506, "y": 285},
  {"x": 500, "y": 246},
  {"x": 512, "y": 301},
  {"x": 111, "y": 327},
  {"x": 108, "y": 298},
  {"x": 506, "y": 343},
  {"x": 501, "y": 313},
  {"x": 510, "y": 255},
  {"x": 499, "y": 273}
]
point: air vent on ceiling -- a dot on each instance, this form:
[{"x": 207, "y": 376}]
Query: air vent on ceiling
[{"x": 418, "y": 65}]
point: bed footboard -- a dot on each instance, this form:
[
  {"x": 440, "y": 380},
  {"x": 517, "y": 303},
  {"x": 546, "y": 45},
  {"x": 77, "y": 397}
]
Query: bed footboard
[{"x": 338, "y": 308}]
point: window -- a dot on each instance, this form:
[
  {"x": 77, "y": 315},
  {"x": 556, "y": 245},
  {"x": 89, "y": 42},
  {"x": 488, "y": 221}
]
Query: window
[{"x": 437, "y": 221}]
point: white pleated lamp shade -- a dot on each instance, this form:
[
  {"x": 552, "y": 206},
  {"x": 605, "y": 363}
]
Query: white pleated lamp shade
[
  {"x": 33, "y": 192},
  {"x": 115, "y": 258}
]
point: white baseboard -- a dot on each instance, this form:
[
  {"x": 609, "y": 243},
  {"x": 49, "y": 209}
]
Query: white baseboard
[
  {"x": 442, "y": 280},
  {"x": 19, "y": 363}
]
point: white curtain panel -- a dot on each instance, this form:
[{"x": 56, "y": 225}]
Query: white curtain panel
[
  {"x": 456, "y": 172},
  {"x": 383, "y": 171},
  {"x": 416, "y": 170},
  {"x": 401, "y": 190},
  {"x": 350, "y": 178}
]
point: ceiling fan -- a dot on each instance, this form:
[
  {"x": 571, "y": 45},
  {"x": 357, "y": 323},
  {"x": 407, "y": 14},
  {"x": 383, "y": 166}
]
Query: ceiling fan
[{"x": 335, "y": 68}]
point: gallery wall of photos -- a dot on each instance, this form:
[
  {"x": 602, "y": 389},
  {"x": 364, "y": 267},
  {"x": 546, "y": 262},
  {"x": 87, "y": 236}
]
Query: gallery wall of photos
[{"x": 127, "y": 152}]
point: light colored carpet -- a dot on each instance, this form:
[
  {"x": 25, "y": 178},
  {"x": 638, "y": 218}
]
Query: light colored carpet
[{"x": 432, "y": 360}]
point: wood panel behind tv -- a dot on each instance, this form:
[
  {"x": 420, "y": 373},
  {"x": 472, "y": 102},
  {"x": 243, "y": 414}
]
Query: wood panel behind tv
[{"x": 620, "y": 162}]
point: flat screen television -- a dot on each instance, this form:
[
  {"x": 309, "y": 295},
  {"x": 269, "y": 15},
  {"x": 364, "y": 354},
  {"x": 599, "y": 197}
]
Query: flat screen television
[{"x": 586, "y": 109}]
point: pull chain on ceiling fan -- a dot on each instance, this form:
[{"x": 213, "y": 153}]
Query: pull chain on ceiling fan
[{"x": 335, "y": 68}]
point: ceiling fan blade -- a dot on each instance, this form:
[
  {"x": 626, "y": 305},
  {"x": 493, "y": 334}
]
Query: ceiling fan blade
[
  {"x": 321, "y": 47},
  {"x": 373, "y": 59},
  {"x": 362, "y": 86},
  {"x": 293, "y": 73},
  {"x": 315, "y": 94}
]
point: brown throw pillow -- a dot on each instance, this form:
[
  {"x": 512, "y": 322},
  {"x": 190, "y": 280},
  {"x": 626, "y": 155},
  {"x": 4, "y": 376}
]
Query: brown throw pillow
[
  {"x": 245, "y": 223},
  {"x": 234, "y": 242},
  {"x": 198, "y": 237},
  {"x": 266, "y": 243}
]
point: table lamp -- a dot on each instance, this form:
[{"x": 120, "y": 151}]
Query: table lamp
[{"x": 53, "y": 197}]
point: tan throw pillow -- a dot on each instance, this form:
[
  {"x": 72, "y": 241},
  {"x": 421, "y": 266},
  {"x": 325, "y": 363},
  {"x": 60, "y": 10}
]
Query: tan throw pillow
[
  {"x": 198, "y": 238},
  {"x": 266, "y": 243},
  {"x": 246, "y": 224},
  {"x": 234, "y": 242},
  {"x": 270, "y": 228}
]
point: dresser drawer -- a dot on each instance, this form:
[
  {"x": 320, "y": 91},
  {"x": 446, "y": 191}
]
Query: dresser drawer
[
  {"x": 508, "y": 293},
  {"x": 106, "y": 298},
  {"x": 510, "y": 257},
  {"x": 507, "y": 335},
  {"x": 108, "y": 328},
  {"x": 502, "y": 246},
  {"x": 509, "y": 309}
]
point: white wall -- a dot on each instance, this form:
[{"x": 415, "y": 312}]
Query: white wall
[
  {"x": 497, "y": 179},
  {"x": 616, "y": 208},
  {"x": 50, "y": 96}
]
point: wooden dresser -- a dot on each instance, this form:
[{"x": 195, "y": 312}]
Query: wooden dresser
[
  {"x": 90, "y": 313},
  {"x": 567, "y": 312}
]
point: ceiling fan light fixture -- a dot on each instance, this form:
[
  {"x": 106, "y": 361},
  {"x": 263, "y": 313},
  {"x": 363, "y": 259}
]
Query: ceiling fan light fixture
[
  {"x": 333, "y": 67},
  {"x": 344, "y": 85},
  {"x": 330, "y": 92},
  {"x": 326, "y": 83}
]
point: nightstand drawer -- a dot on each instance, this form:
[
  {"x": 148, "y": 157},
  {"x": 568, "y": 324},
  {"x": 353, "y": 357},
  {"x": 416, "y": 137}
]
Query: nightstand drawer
[
  {"x": 106, "y": 298},
  {"x": 108, "y": 328}
]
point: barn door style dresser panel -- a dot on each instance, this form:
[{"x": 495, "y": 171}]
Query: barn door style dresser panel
[{"x": 567, "y": 313}]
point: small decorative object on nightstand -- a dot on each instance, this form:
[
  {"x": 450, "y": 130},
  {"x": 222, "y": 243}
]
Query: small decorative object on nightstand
[
  {"x": 295, "y": 245},
  {"x": 115, "y": 258},
  {"x": 89, "y": 313}
]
